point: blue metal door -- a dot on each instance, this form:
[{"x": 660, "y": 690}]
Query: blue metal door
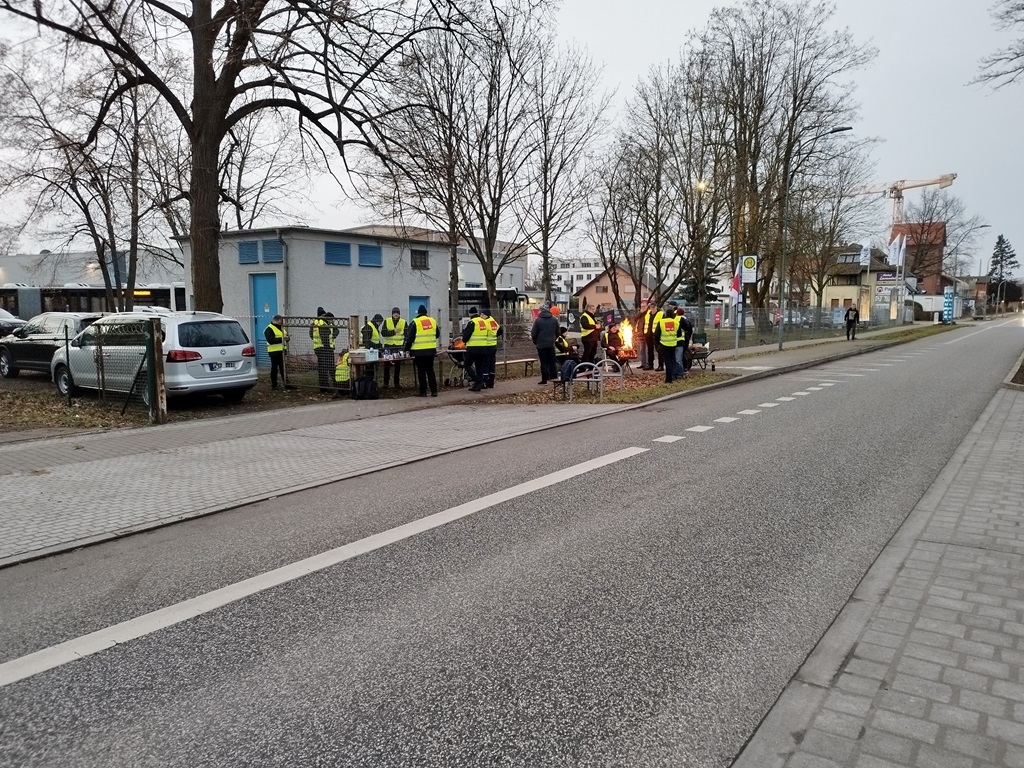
[
  {"x": 414, "y": 305},
  {"x": 264, "y": 307}
]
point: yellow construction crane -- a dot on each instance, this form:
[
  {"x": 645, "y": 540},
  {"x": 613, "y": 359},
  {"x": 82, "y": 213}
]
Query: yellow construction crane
[{"x": 894, "y": 191}]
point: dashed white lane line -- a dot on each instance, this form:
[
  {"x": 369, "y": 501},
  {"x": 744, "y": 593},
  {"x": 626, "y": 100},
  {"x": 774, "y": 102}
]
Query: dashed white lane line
[
  {"x": 801, "y": 394},
  {"x": 766, "y": 405},
  {"x": 749, "y": 411},
  {"x": 785, "y": 399},
  {"x": 814, "y": 389},
  {"x": 699, "y": 429},
  {"x": 668, "y": 439},
  {"x": 57, "y": 655},
  {"x": 726, "y": 420},
  {"x": 829, "y": 383}
]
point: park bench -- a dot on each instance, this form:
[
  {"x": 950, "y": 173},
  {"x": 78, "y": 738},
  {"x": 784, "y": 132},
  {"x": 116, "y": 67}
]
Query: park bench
[{"x": 592, "y": 375}]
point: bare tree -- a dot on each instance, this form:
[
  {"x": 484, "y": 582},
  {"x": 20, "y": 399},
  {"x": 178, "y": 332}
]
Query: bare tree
[
  {"x": 1006, "y": 65},
  {"x": 781, "y": 76},
  {"x": 329, "y": 64},
  {"x": 937, "y": 209},
  {"x": 568, "y": 116}
]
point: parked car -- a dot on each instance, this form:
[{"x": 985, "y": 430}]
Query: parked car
[
  {"x": 31, "y": 347},
  {"x": 203, "y": 353},
  {"x": 8, "y": 323}
]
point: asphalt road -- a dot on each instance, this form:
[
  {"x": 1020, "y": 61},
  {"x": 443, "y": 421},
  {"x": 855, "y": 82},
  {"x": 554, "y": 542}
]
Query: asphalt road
[{"x": 644, "y": 613}]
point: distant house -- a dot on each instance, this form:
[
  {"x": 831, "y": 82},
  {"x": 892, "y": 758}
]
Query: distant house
[
  {"x": 600, "y": 290},
  {"x": 925, "y": 249}
]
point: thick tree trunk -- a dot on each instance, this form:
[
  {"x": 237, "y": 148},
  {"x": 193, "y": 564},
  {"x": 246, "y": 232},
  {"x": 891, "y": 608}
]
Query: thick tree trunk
[{"x": 205, "y": 234}]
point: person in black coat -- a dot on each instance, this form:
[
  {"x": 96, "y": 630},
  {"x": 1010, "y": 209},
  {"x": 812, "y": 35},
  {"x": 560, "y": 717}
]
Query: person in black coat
[{"x": 543, "y": 333}]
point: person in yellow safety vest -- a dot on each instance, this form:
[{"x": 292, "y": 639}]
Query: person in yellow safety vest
[
  {"x": 494, "y": 330},
  {"x": 647, "y": 325},
  {"x": 421, "y": 337},
  {"x": 323, "y": 333},
  {"x": 370, "y": 333},
  {"x": 667, "y": 336},
  {"x": 342, "y": 374},
  {"x": 589, "y": 334},
  {"x": 475, "y": 336},
  {"x": 277, "y": 347},
  {"x": 393, "y": 332}
]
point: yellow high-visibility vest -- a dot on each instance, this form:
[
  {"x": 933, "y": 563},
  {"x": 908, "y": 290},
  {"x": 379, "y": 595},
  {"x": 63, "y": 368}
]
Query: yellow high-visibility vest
[
  {"x": 277, "y": 346},
  {"x": 426, "y": 333},
  {"x": 398, "y": 338},
  {"x": 341, "y": 371},
  {"x": 669, "y": 328},
  {"x": 492, "y": 332},
  {"x": 584, "y": 332},
  {"x": 318, "y": 340},
  {"x": 479, "y": 337}
]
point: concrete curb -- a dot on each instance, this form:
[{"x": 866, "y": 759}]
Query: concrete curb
[{"x": 1008, "y": 381}]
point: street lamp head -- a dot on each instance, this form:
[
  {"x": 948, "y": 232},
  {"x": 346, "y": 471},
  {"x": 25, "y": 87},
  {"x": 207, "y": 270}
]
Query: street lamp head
[{"x": 841, "y": 128}]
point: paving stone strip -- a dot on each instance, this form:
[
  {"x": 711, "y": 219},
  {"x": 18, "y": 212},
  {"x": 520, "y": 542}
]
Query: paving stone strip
[{"x": 58, "y": 504}]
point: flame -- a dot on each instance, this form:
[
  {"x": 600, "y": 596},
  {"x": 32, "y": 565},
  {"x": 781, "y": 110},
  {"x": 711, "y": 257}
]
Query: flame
[{"x": 626, "y": 329}]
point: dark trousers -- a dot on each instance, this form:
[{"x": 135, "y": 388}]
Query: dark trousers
[
  {"x": 650, "y": 351},
  {"x": 548, "y": 365},
  {"x": 668, "y": 357},
  {"x": 492, "y": 366},
  {"x": 277, "y": 367},
  {"x": 476, "y": 366},
  {"x": 393, "y": 366},
  {"x": 851, "y": 329},
  {"x": 425, "y": 376},
  {"x": 325, "y": 368},
  {"x": 590, "y": 347}
]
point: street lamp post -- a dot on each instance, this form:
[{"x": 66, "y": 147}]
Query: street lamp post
[{"x": 785, "y": 227}]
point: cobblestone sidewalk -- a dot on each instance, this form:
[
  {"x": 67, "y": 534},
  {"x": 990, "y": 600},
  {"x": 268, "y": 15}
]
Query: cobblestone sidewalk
[{"x": 924, "y": 667}]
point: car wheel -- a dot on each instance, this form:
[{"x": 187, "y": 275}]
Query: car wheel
[
  {"x": 65, "y": 384},
  {"x": 7, "y": 370},
  {"x": 234, "y": 395}
]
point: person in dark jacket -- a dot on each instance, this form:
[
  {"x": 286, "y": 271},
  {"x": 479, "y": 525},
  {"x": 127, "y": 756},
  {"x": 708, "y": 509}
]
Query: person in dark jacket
[
  {"x": 611, "y": 342},
  {"x": 565, "y": 349},
  {"x": 683, "y": 361},
  {"x": 543, "y": 333}
]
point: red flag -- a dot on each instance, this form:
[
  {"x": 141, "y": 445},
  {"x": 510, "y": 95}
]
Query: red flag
[{"x": 737, "y": 287}]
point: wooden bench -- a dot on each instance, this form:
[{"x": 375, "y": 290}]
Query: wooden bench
[{"x": 526, "y": 362}]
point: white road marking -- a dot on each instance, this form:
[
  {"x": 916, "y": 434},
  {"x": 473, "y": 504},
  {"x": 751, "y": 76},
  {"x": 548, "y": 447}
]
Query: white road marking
[
  {"x": 801, "y": 394},
  {"x": 749, "y": 411},
  {"x": 726, "y": 420},
  {"x": 699, "y": 429},
  {"x": 785, "y": 399},
  {"x": 830, "y": 383},
  {"x": 766, "y": 405},
  {"x": 980, "y": 330},
  {"x": 814, "y": 389},
  {"x": 57, "y": 655},
  {"x": 668, "y": 439},
  {"x": 746, "y": 367}
]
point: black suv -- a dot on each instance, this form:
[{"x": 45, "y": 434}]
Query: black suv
[
  {"x": 31, "y": 347},
  {"x": 8, "y": 323}
]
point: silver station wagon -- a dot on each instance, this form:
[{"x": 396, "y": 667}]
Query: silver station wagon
[{"x": 204, "y": 353}]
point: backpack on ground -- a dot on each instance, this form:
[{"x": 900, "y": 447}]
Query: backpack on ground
[
  {"x": 364, "y": 389},
  {"x": 568, "y": 368}
]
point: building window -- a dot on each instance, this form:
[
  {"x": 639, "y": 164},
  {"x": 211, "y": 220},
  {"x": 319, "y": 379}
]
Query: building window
[
  {"x": 601, "y": 288},
  {"x": 273, "y": 251},
  {"x": 249, "y": 252},
  {"x": 370, "y": 256},
  {"x": 419, "y": 259},
  {"x": 338, "y": 253}
]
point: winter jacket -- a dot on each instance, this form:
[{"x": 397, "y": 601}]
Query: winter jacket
[{"x": 544, "y": 330}]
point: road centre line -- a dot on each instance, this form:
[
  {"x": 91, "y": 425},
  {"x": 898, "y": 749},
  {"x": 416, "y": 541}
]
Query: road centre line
[
  {"x": 57, "y": 655},
  {"x": 726, "y": 420},
  {"x": 801, "y": 394},
  {"x": 749, "y": 411},
  {"x": 668, "y": 439},
  {"x": 980, "y": 330},
  {"x": 785, "y": 399},
  {"x": 766, "y": 405},
  {"x": 699, "y": 428}
]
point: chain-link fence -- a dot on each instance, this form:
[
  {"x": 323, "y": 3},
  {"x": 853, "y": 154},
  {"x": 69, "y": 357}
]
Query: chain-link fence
[{"x": 118, "y": 360}]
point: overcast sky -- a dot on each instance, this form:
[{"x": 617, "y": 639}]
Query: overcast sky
[{"x": 915, "y": 96}]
